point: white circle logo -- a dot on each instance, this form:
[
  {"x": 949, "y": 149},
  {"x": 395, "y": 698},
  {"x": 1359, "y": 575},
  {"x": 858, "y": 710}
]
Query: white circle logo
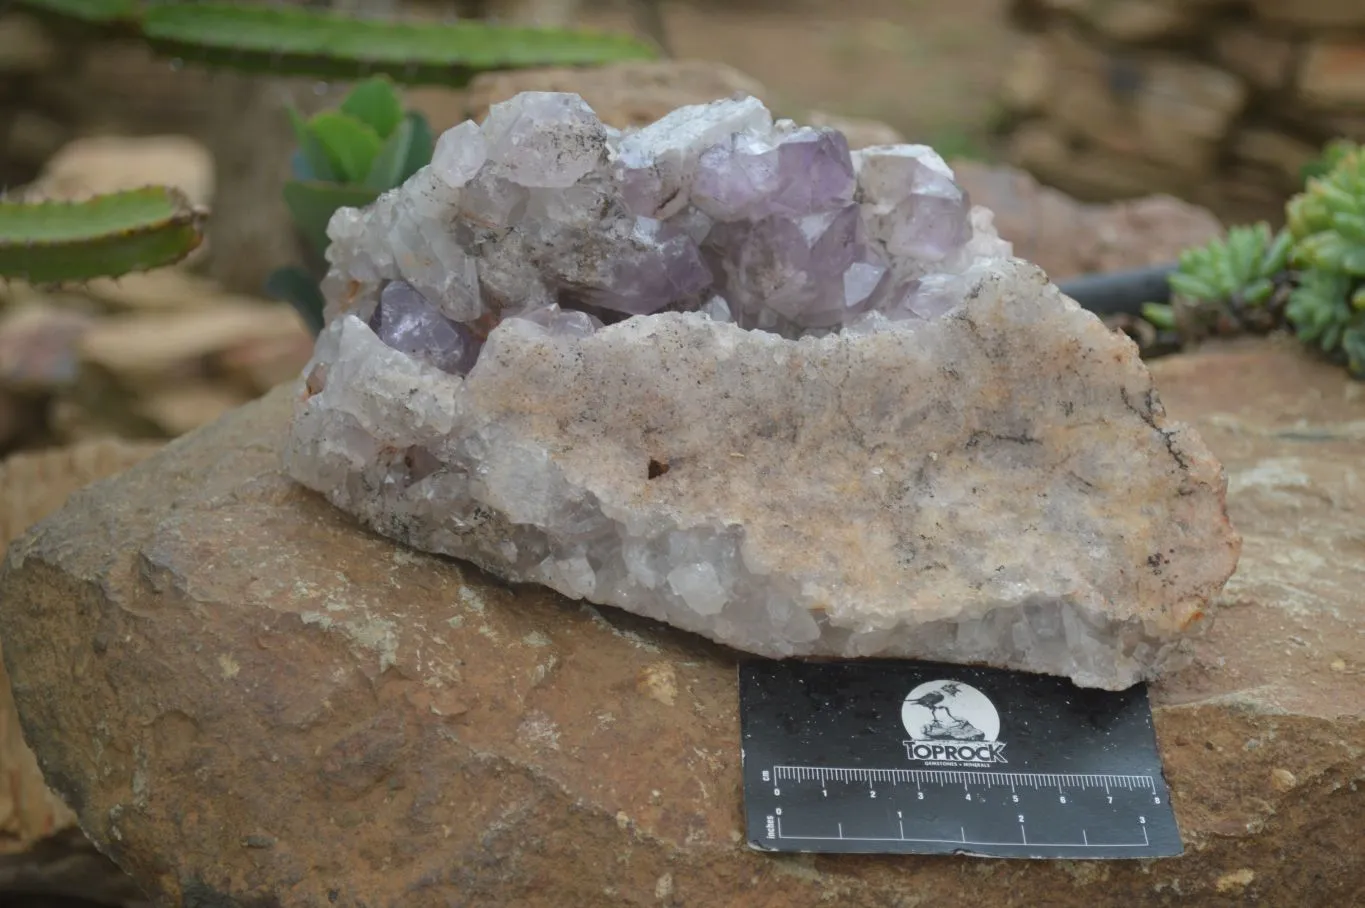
[{"x": 950, "y": 711}]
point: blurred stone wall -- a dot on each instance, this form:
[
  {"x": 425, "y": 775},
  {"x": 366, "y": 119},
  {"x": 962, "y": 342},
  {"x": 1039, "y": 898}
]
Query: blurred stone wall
[
  {"x": 1217, "y": 101},
  {"x": 58, "y": 84}
]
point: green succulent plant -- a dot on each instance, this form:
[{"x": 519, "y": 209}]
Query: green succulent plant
[
  {"x": 1310, "y": 275},
  {"x": 346, "y": 156},
  {"x": 1329, "y": 313},
  {"x": 328, "y": 44},
  {"x": 1327, "y": 219},
  {"x": 1232, "y": 284},
  {"x": 1327, "y": 222},
  {"x": 1332, "y": 153}
]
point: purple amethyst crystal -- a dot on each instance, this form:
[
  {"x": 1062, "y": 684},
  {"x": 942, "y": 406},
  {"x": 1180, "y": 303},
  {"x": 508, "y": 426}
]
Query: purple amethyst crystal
[
  {"x": 816, "y": 271},
  {"x": 637, "y": 266},
  {"x": 714, "y": 208},
  {"x": 749, "y": 178},
  {"x": 406, "y": 321}
]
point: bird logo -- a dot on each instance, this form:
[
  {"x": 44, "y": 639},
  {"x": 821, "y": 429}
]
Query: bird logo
[{"x": 951, "y": 721}]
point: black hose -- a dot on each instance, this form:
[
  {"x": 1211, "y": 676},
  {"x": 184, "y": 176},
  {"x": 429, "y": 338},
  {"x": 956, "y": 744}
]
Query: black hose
[{"x": 1120, "y": 292}]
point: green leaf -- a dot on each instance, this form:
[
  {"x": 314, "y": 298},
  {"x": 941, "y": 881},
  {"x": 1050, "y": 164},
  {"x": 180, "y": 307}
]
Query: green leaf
[
  {"x": 1350, "y": 225},
  {"x": 313, "y": 203},
  {"x": 1258, "y": 291},
  {"x": 387, "y": 170},
  {"x": 310, "y": 146},
  {"x": 326, "y": 44},
  {"x": 420, "y": 148},
  {"x": 1245, "y": 245},
  {"x": 1159, "y": 314},
  {"x": 1317, "y": 305},
  {"x": 1331, "y": 336},
  {"x": 1277, "y": 256},
  {"x": 1323, "y": 251},
  {"x": 105, "y": 236},
  {"x": 1353, "y": 260},
  {"x": 351, "y": 146},
  {"x": 375, "y": 103},
  {"x": 1192, "y": 287},
  {"x": 1353, "y": 344}
]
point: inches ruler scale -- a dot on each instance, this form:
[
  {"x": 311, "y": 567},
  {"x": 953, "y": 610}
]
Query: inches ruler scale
[{"x": 899, "y": 757}]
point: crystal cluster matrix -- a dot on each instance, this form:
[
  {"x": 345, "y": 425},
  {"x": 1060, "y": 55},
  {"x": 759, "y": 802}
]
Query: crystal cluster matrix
[{"x": 723, "y": 372}]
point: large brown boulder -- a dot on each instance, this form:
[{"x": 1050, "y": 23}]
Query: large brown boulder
[
  {"x": 251, "y": 702},
  {"x": 42, "y": 851}
]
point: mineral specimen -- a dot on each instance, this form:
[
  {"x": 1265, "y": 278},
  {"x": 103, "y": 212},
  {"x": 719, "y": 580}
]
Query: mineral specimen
[{"x": 721, "y": 372}]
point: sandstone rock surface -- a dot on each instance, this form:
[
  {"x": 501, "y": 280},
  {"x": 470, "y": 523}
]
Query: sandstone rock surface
[
  {"x": 42, "y": 851},
  {"x": 249, "y": 701}
]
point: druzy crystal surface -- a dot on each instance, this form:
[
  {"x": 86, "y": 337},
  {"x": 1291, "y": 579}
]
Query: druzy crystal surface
[
  {"x": 723, "y": 372},
  {"x": 543, "y": 205}
]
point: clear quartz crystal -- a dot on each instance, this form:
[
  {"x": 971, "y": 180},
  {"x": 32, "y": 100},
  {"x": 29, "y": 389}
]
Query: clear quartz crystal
[
  {"x": 543, "y": 138},
  {"x": 459, "y": 154},
  {"x": 748, "y": 177},
  {"x": 911, "y": 203},
  {"x": 542, "y": 209},
  {"x": 655, "y": 163},
  {"x": 559, "y": 322}
]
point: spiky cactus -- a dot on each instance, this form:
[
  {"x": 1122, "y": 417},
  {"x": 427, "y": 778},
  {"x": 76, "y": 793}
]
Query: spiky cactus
[
  {"x": 287, "y": 40},
  {"x": 347, "y": 156},
  {"x": 106, "y": 236}
]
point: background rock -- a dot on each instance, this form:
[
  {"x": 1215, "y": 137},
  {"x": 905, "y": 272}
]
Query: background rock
[
  {"x": 1066, "y": 237},
  {"x": 111, "y": 163},
  {"x": 1115, "y": 100},
  {"x": 622, "y": 94},
  {"x": 247, "y": 698},
  {"x": 635, "y": 94},
  {"x": 151, "y": 355}
]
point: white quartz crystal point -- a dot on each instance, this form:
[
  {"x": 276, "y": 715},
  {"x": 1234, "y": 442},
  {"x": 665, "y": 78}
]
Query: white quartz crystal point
[
  {"x": 544, "y": 138},
  {"x": 459, "y": 154},
  {"x": 426, "y": 253},
  {"x": 999, "y": 485},
  {"x": 656, "y": 162},
  {"x": 911, "y": 201}
]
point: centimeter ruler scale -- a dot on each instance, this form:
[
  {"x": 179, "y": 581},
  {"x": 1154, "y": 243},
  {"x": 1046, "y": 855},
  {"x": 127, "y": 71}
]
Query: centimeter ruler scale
[{"x": 920, "y": 758}]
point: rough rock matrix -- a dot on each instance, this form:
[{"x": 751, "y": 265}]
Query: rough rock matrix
[
  {"x": 253, "y": 702},
  {"x": 722, "y": 372}
]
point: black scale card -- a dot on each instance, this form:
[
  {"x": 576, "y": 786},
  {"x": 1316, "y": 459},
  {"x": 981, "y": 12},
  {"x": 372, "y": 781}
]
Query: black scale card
[{"x": 901, "y": 757}]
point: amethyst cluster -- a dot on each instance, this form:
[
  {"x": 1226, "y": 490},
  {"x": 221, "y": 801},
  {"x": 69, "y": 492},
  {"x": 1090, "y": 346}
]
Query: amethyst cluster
[{"x": 544, "y": 213}]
